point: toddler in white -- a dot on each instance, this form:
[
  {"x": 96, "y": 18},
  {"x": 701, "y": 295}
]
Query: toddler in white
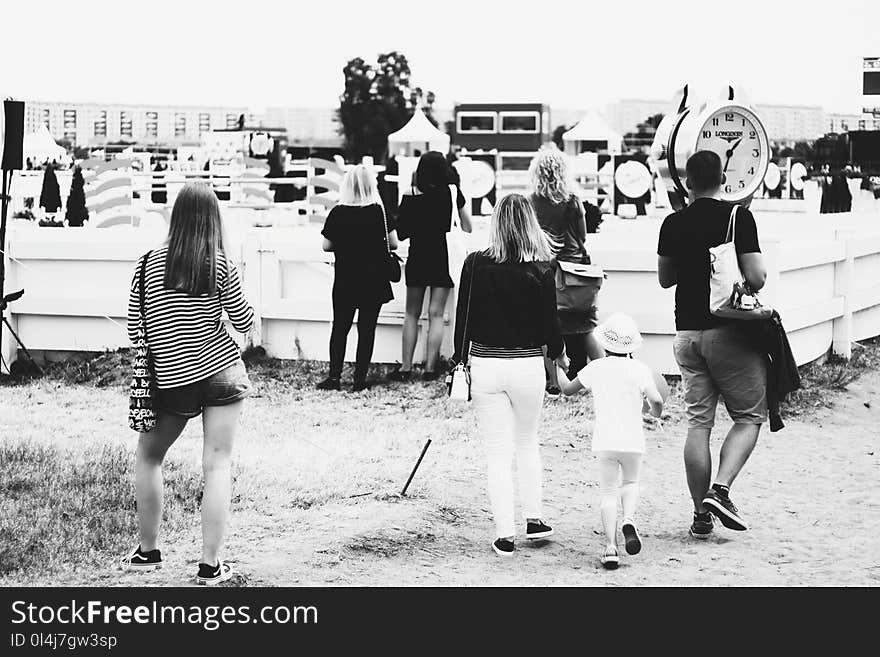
[{"x": 623, "y": 388}]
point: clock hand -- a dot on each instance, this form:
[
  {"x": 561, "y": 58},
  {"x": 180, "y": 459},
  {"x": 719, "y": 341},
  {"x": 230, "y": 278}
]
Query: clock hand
[{"x": 729, "y": 153}]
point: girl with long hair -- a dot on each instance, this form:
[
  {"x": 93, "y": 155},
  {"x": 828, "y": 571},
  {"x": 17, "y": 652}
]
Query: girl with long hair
[
  {"x": 561, "y": 214},
  {"x": 424, "y": 218},
  {"x": 188, "y": 283},
  {"x": 359, "y": 235},
  {"x": 511, "y": 323}
]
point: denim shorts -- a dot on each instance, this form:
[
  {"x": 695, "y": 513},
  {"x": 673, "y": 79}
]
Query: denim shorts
[
  {"x": 225, "y": 387},
  {"x": 720, "y": 361}
]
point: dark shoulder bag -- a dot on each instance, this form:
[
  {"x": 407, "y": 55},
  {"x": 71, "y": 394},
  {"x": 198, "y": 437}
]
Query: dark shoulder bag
[{"x": 141, "y": 413}]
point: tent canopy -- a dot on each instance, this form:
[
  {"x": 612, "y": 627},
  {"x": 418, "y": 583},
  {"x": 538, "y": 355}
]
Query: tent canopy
[
  {"x": 40, "y": 146},
  {"x": 594, "y": 128},
  {"x": 419, "y": 131}
]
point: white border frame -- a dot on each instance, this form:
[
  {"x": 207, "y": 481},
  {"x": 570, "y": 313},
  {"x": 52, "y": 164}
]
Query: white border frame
[
  {"x": 469, "y": 113},
  {"x": 506, "y": 113}
]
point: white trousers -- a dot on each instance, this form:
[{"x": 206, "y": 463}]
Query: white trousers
[
  {"x": 507, "y": 396},
  {"x": 618, "y": 478}
]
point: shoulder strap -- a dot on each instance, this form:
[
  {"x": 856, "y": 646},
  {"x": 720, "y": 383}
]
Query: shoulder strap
[
  {"x": 385, "y": 224},
  {"x": 143, "y": 294},
  {"x": 731, "y": 226},
  {"x": 455, "y": 219},
  {"x": 467, "y": 315}
]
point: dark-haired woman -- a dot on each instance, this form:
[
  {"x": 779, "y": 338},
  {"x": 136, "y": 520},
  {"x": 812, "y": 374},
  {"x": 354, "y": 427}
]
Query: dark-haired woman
[
  {"x": 189, "y": 282},
  {"x": 424, "y": 218}
]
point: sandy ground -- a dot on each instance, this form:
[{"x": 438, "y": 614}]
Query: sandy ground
[{"x": 809, "y": 492}]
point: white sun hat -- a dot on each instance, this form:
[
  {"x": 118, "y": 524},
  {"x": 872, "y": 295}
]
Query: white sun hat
[{"x": 618, "y": 334}]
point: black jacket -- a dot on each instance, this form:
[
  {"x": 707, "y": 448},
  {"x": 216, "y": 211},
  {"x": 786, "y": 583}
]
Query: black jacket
[
  {"x": 769, "y": 337},
  {"x": 511, "y": 305}
]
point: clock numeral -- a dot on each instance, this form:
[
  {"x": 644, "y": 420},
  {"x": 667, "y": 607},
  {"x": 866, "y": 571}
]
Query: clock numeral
[
  {"x": 728, "y": 116},
  {"x": 751, "y": 171},
  {"x": 744, "y": 123},
  {"x": 728, "y": 189},
  {"x": 707, "y": 134},
  {"x": 756, "y": 152},
  {"x": 715, "y": 121},
  {"x": 741, "y": 184},
  {"x": 753, "y": 134}
]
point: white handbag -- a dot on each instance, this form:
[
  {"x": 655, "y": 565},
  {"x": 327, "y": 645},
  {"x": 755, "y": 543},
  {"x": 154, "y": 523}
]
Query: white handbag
[
  {"x": 459, "y": 380},
  {"x": 456, "y": 240},
  {"x": 729, "y": 295}
]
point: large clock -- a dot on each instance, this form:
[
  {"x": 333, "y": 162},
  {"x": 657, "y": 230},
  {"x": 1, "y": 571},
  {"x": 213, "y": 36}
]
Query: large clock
[{"x": 731, "y": 129}]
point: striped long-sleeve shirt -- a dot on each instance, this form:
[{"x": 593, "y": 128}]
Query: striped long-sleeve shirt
[{"x": 185, "y": 334}]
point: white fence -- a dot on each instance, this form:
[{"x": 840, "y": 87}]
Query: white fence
[{"x": 824, "y": 278}]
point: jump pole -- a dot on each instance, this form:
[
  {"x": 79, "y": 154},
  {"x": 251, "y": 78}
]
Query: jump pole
[{"x": 416, "y": 467}]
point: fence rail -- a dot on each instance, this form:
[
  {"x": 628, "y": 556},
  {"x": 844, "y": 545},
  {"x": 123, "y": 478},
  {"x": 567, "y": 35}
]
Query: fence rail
[{"x": 824, "y": 277}]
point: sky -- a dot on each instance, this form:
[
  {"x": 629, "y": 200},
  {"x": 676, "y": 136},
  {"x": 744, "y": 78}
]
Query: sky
[{"x": 574, "y": 54}]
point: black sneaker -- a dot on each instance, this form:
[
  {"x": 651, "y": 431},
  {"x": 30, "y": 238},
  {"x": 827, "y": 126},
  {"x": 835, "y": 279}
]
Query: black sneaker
[
  {"x": 721, "y": 506},
  {"x": 631, "y": 535},
  {"x": 360, "y": 384},
  {"x": 211, "y": 575},
  {"x": 553, "y": 391},
  {"x": 400, "y": 375},
  {"x": 142, "y": 561},
  {"x": 330, "y": 383},
  {"x": 536, "y": 530},
  {"x": 610, "y": 559},
  {"x": 702, "y": 525},
  {"x": 503, "y": 547}
]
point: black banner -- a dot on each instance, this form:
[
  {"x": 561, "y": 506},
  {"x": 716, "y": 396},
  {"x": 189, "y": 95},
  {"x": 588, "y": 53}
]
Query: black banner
[{"x": 396, "y": 620}]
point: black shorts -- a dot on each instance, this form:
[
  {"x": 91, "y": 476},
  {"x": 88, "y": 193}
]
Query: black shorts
[{"x": 225, "y": 387}]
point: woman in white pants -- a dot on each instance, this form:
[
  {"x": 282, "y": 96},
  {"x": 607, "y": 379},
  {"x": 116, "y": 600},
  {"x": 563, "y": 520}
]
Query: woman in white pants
[{"x": 505, "y": 321}]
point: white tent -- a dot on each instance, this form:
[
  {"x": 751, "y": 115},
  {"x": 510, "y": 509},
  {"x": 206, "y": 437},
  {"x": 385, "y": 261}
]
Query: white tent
[
  {"x": 419, "y": 133},
  {"x": 592, "y": 128},
  {"x": 39, "y": 147}
]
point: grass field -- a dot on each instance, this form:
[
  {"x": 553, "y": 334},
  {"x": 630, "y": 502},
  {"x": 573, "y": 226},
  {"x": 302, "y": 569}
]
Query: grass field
[{"x": 317, "y": 479}]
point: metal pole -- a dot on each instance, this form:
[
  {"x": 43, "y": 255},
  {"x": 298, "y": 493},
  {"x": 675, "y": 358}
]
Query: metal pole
[
  {"x": 4, "y": 206},
  {"x": 416, "y": 467}
]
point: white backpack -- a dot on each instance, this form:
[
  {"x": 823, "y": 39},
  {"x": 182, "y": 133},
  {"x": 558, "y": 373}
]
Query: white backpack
[{"x": 456, "y": 240}]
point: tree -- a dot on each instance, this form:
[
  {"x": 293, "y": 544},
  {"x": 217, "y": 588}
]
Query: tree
[
  {"x": 77, "y": 213},
  {"x": 377, "y": 100},
  {"x": 50, "y": 194}
]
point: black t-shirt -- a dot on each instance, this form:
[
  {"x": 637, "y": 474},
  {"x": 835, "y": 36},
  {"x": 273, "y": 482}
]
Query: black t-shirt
[
  {"x": 358, "y": 236},
  {"x": 426, "y": 216},
  {"x": 686, "y": 237}
]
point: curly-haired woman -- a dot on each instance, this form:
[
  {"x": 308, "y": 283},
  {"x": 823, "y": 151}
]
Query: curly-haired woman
[{"x": 561, "y": 215}]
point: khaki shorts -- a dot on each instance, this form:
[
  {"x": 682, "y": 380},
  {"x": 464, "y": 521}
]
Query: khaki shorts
[{"x": 720, "y": 361}]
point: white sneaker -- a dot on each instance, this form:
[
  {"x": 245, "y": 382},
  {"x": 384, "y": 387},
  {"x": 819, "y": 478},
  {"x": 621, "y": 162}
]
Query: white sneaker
[{"x": 610, "y": 559}]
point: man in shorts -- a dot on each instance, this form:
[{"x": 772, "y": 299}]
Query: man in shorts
[{"x": 713, "y": 355}]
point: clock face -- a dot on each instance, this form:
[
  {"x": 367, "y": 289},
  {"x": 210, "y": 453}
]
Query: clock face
[{"x": 738, "y": 137}]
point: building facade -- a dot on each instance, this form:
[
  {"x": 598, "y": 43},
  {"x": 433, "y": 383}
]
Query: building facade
[
  {"x": 783, "y": 122},
  {"x": 306, "y": 125},
  {"x": 94, "y": 124},
  {"x": 838, "y": 122}
]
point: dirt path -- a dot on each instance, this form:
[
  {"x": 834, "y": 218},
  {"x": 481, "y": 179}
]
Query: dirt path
[{"x": 809, "y": 491}]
